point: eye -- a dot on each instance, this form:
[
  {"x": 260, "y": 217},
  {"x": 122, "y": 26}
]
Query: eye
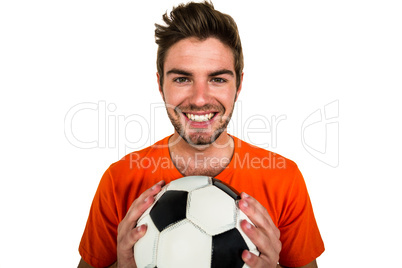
[
  {"x": 181, "y": 80},
  {"x": 218, "y": 80}
]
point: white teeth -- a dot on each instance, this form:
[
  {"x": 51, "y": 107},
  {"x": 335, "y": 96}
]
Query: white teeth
[{"x": 200, "y": 118}]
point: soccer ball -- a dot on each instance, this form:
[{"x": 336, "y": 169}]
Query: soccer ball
[{"x": 194, "y": 222}]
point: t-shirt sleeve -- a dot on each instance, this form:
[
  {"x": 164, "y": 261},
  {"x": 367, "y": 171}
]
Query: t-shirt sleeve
[
  {"x": 300, "y": 237},
  {"x": 98, "y": 243}
]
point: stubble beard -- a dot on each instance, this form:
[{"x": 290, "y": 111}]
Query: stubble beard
[{"x": 198, "y": 137}]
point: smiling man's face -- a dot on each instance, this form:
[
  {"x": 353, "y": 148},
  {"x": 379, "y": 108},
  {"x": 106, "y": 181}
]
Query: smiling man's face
[{"x": 199, "y": 88}]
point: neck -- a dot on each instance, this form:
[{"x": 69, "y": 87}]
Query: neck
[{"x": 207, "y": 160}]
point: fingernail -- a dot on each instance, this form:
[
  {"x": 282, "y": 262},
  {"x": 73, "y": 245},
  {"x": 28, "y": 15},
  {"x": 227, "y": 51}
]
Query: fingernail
[
  {"x": 159, "y": 183},
  {"x": 141, "y": 228},
  {"x": 247, "y": 255},
  {"x": 245, "y": 195},
  {"x": 146, "y": 199},
  {"x": 248, "y": 225},
  {"x": 245, "y": 204}
]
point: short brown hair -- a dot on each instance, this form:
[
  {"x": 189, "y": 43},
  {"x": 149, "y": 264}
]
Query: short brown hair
[{"x": 199, "y": 20}]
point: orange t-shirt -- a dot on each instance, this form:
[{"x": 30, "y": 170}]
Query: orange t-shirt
[{"x": 273, "y": 180}]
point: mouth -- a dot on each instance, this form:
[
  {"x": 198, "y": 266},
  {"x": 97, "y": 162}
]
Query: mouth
[{"x": 200, "y": 117}]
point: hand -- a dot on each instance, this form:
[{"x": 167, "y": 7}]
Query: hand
[
  {"x": 127, "y": 235},
  {"x": 265, "y": 235}
]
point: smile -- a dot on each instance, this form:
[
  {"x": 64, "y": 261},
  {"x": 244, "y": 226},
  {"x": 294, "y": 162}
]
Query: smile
[{"x": 199, "y": 117}]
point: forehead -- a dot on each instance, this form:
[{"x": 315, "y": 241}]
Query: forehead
[{"x": 194, "y": 55}]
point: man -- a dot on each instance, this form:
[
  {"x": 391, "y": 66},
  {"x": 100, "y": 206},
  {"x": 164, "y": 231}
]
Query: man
[{"x": 200, "y": 65}]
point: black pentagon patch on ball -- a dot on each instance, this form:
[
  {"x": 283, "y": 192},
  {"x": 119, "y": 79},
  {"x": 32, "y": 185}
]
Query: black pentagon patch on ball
[
  {"x": 227, "y": 248},
  {"x": 226, "y": 188},
  {"x": 170, "y": 208}
]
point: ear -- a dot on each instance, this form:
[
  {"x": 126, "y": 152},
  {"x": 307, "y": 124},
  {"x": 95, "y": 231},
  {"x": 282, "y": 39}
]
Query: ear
[
  {"x": 240, "y": 86},
  {"x": 160, "y": 86}
]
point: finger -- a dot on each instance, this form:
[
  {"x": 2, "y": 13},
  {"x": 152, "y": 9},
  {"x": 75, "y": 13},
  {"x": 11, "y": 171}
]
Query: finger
[
  {"x": 258, "y": 237},
  {"x": 269, "y": 246},
  {"x": 138, "y": 207},
  {"x": 257, "y": 262},
  {"x": 265, "y": 235},
  {"x": 257, "y": 214},
  {"x": 249, "y": 258},
  {"x": 137, "y": 233},
  {"x": 261, "y": 240},
  {"x": 254, "y": 261},
  {"x": 145, "y": 199},
  {"x": 132, "y": 237},
  {"x": 149, "y": 192},
  {"x": 261, "y": 221},
  {"x": 256, "y": 206}
]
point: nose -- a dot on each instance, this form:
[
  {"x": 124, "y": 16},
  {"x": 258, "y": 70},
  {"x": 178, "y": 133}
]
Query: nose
[{"x": 200, "y": 93}]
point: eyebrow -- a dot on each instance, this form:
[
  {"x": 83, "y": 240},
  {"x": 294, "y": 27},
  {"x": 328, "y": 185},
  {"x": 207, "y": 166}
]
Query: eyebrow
[
  {"x": 178, "y": 71},
  {"x": 223, "y": 71},
  {"x": 216, "y": 73}
]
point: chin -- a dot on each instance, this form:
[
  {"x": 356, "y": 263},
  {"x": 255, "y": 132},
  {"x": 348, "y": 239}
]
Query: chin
[{"x": 201, "y": 139}]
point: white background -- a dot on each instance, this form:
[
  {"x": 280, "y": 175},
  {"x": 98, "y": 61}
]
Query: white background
[{"x": 299, "y": 57}]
